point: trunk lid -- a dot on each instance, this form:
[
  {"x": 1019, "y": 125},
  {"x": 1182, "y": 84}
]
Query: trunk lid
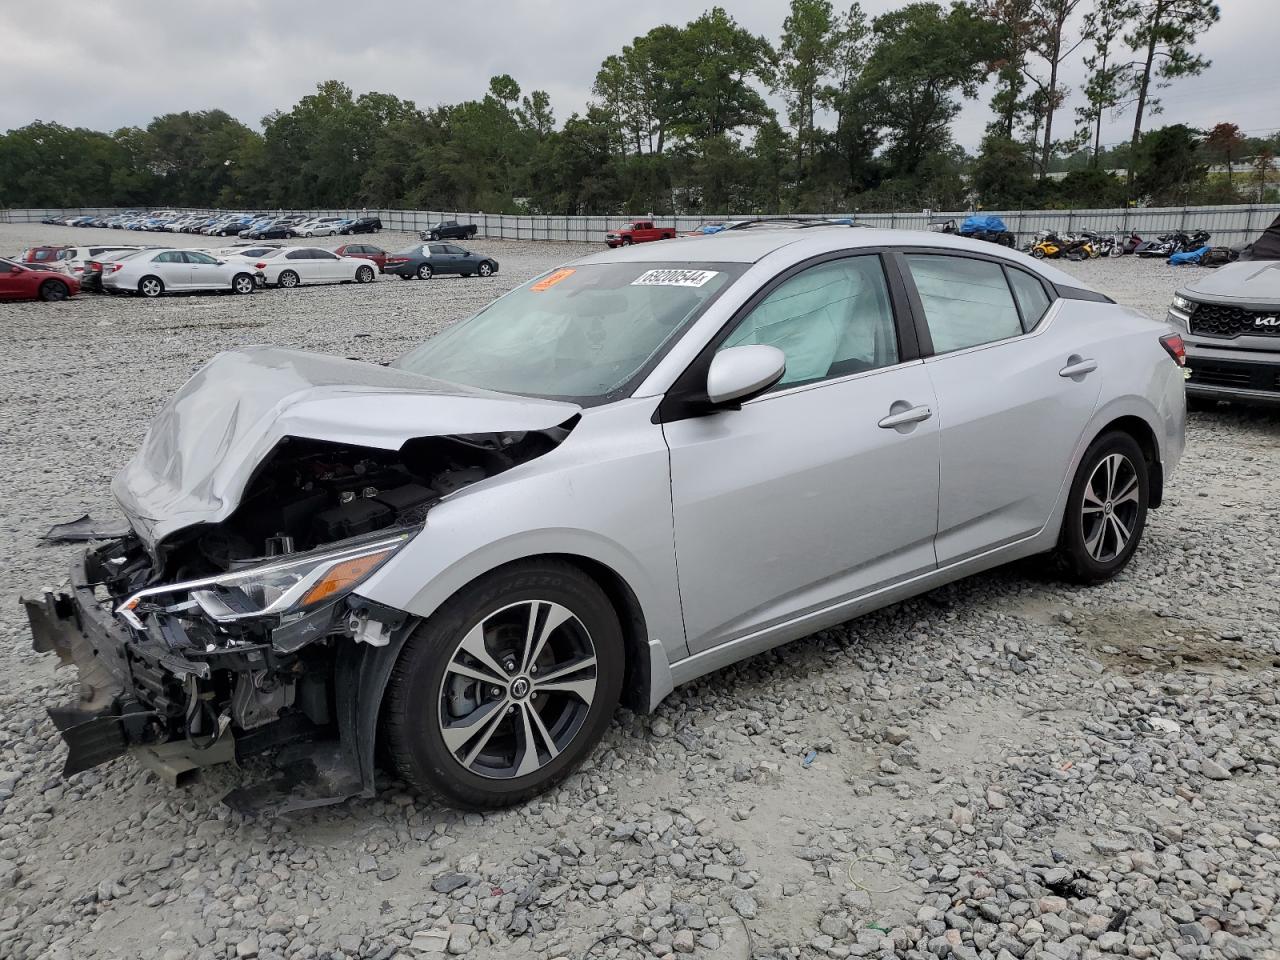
[{"x": 209, "y": 438}]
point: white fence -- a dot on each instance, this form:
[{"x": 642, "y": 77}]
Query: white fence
[{"x": 1234, "y": 225}]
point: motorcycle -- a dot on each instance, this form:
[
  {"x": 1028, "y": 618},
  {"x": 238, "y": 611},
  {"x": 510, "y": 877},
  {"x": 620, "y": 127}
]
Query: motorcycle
[
  {"x": 1121, "y": 245},
  {"x": 1168, "y": 244},
  {"x": 1046, "y": 245}
]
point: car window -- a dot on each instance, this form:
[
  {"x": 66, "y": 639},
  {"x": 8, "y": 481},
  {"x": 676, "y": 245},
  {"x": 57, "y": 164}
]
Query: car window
[
  {"x": 5, "y": 267},
  {"x": 196, "y": 257},
  {"x": 830, "y": 320},
  {"x": 966, "y": 302},
  {"x": 437, "y": 249},
  {"x": 323, "y": 255},
  {"x": 169, "y": 256},
  {"x": 452, "y": 249},
  {"x": 300, "y": 254},
  {"x": 1033, "y": 302}
]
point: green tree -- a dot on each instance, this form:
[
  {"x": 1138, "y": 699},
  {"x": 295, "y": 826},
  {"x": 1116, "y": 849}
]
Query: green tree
[
  {"x": 1051, "y": 44},
  {"x": 1167, "y": 165},
  {"x": 1014, "y": 27},
  {"x": 807, "y": 55},
  {"x": 1108, "y": 80},
  {"x": 1163, "y": 35}
]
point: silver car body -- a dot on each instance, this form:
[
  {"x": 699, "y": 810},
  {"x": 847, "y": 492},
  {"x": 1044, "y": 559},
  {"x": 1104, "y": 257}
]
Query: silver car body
[
  {"x": 734, "y": 531},
  {"x": 313, "y": 265},
  {"x": 1230, "y": 320}
]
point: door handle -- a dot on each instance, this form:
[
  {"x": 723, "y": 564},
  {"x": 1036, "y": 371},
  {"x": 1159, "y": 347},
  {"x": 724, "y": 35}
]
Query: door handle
[
  {"x": 1077, "y": 367},
  {"x": 905, "y": 417}
]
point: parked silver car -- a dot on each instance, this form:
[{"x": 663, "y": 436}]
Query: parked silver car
[
  {"x": 1231, "y": 321},
  {"x": 628, "y": 472},
  {"x": 167, "y": 270}
]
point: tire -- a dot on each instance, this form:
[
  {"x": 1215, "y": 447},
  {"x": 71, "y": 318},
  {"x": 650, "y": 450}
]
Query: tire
[
  {"x": 434, "y": 236},
  {"x": 491, "y": 616},
  {"x": 465, "y": 275},
  {"x": 364, "y": 275},
  {"x": 54, "y": 291},
  {"x": 424, "y": 272},
  {"x": 242, "y": 283},
  {"x": 404, "y": 276},
  {"x": 288, "y": 279},
  {"x": 626, "y": 241},
  {"x": 151, "y": 287},
  {"x": 1106, "y": 510},
  {"x": 485, "y": 269},
  {"x": 1037, "y": 253}
]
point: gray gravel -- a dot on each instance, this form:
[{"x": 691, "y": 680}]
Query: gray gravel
[{"x": 1006, "y": 768}]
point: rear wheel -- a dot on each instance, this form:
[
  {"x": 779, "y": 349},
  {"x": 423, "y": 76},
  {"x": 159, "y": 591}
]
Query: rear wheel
[
  {"x": 424, "y": 272},
  {"x": 364, "y": 275},
  {"x": 1106, "y": 510},
  {"x": 242, "y": 284},
  {"x": 151, "y": 286},
  {"x": 51, "y": 291},
  {"x": 486, "y": 269},
  {"x": 288, "y": 279},
  {"x": 507, "y": 686}
]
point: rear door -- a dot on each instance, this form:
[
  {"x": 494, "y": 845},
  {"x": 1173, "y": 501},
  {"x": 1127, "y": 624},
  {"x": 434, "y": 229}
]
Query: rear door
[
  {"x": 810, "y": 495},
  {"x": 439, "y": 258},
  {"x": 10, "y": 284},
  {"x": 1015, "y": 391}
]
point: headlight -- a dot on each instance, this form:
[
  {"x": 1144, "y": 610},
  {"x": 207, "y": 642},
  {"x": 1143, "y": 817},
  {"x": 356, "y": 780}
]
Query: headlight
[
  {"x": 1182, "y": 303},
  {"x": 291, "y": 584}
]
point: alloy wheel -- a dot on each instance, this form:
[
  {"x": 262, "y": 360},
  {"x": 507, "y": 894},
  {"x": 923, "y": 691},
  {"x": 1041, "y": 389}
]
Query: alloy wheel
[
  {"x": 288, "y": 279},
  {"x": 151, "y": 287},
  {"x": 485, "y": 270},
  {"x": 244, "y": 284},
  {"x": 517, "y": 689},
  {"x": 1109, "y": 513}
]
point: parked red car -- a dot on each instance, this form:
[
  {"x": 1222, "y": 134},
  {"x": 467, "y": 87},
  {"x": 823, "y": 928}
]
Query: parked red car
[
  {"x": 638, "y": 231},
  {"x": 366, "y": 251},
  {"x": 30, "y": 281}
]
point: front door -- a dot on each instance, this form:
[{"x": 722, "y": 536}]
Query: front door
[
  {"x": 809, "y": 495},
  {"x": 206, "y": 272},
  {"x": 1015, "y": 390}
]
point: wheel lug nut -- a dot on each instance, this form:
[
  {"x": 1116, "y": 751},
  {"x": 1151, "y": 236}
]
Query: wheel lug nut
[
  {"x": 511, "y": 709},
  {"x": 496, "y": 692}
]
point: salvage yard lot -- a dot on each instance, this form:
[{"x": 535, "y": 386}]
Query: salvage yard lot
[{"x": 1005, "y": 767}]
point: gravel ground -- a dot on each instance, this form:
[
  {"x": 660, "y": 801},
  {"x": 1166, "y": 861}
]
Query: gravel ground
[{"x": 1005, "y": 768}]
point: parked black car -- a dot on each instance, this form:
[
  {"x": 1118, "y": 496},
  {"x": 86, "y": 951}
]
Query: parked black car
[
  {"x": 425, "y": 261},
  {"x": 363, "y": 225},
  {"x": 449, "y": 230},
  {"x": 272, "y": 231}
]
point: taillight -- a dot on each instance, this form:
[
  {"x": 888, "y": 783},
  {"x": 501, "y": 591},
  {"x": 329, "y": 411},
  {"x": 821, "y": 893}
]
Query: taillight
[
  {"x": 259, "y": 266},
  {"x": 95, "y": 265},
  {"x": 1174, "y": 346},
  {"x": 115, "y": 266},
  {"x": 397, "y": 259}
]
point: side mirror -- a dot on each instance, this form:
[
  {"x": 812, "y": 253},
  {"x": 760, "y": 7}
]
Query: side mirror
[{"x": 740, "y": 373}]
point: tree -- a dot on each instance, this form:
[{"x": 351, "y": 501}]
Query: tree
[
  {"x": 1001, "y": 175},
  {"x": 855, "y": 138},
  {"x": 807, "y": 55},
  {"x": 1264, "y": 164},
  {"x": 1013, "y": 23},
  {"x": 1049, "y": 20},
  {"x": 1223, "y": 143},
  {"x": 922, "y": 60},
  {"x": 1167, "y": 166},
  {"x": 1163, "y": 34},
  {"x": 1107, "y": 80}
]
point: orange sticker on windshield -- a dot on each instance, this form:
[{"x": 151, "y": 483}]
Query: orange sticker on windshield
[{"x": 551, "y": 279}]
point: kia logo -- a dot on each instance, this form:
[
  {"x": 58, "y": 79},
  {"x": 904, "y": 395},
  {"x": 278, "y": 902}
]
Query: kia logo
[{"x": 1267, "y": 322}]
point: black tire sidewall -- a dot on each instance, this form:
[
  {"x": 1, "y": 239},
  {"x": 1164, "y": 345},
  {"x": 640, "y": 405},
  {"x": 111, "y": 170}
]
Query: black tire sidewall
[
  {"x": 412, "y": 706},
  {"x": 1075, "y": 558},
  {"x": 288, "y": 273}
]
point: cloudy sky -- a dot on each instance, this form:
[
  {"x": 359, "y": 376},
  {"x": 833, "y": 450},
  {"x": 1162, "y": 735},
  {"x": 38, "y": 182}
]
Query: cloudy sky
[{"x": 111, "y": 63}]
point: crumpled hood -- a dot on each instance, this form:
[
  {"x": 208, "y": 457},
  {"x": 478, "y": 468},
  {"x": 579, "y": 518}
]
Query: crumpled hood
[
  {"x": 206, "y": 442},
  {"x": 1247, "y": 281}
]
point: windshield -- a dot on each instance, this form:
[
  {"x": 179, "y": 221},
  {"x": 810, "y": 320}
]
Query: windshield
[{"x": 581, "y": 333}]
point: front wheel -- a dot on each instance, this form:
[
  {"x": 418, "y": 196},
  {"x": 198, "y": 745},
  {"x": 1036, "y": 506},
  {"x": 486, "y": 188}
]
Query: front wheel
[
  {"x": 242, "y": 284},
  {"x": 364, "y": 275},
  {"x": 424, "y": 272},
  {"x": 1037, "y": 252},
  {"x": 434, "y": 235},
  {"x": 486, "y": 269},
  {"x": 1106, "y": 510},
  {"x": 507, "y": 687}
]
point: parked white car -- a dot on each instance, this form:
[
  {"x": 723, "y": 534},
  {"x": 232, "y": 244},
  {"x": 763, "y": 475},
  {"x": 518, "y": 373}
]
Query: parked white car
[
  {"x": 291, "y": 266},
  {"x": 153, "y": 272},
  {"x": 73, "y": 260}
]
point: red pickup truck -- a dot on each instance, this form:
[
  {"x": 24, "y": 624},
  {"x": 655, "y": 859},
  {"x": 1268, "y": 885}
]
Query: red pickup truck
[{"x": 638, "y": 231}]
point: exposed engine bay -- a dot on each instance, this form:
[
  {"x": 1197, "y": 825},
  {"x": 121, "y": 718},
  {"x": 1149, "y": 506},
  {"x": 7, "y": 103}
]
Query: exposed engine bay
[{"x": 236, "y": 629}]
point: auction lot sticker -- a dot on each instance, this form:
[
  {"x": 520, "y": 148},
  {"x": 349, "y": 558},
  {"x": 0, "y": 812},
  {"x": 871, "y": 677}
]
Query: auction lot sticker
[
  {"x": 551, "y": 279},
  {"x": 673, "y": 278}
]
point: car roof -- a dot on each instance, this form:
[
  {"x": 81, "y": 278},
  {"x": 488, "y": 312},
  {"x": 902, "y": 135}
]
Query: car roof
[{"x": 751, "y": 246}]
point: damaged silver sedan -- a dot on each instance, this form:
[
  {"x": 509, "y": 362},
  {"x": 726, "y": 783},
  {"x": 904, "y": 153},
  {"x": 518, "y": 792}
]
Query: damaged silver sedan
[{"x": 626, "y": 473}]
